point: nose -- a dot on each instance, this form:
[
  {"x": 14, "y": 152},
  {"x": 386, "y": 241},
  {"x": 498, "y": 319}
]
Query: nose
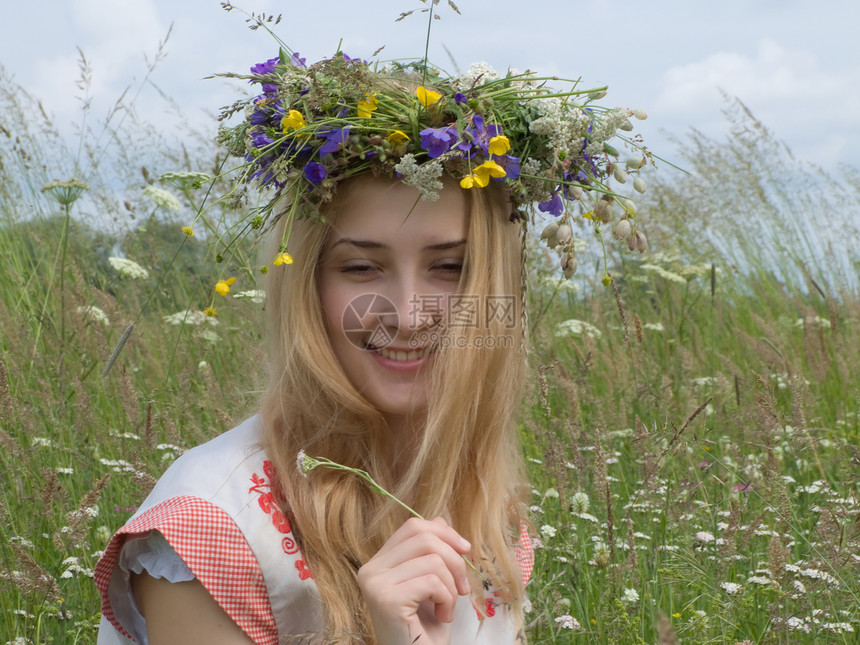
[{"x": 416, "y": 308}]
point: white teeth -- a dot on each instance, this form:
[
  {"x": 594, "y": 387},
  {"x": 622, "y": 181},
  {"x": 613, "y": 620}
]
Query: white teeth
[{"x": 393, "y": 355}]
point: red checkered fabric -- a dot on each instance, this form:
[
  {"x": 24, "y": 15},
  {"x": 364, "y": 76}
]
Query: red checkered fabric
[
  {"x": 525, "y": 554},
  {"x": 211, "y": 545}
]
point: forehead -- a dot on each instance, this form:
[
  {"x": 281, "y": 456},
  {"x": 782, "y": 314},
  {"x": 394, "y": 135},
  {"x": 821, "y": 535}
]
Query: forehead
[{"x": 386, "y": 210}]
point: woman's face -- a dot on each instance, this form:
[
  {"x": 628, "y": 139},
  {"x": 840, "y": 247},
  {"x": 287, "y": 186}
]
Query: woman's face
[{"x": 384, "y": 281}]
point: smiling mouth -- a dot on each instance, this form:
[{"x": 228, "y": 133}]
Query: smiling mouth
[{"x": 401, "y": 355}]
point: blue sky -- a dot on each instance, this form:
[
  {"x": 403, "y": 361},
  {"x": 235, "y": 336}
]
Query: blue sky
[{"x": 795, "y": 64}]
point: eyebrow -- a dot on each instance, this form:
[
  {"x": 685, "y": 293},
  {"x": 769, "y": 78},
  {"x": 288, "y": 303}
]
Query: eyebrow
[{"x": 371, "y": 244}]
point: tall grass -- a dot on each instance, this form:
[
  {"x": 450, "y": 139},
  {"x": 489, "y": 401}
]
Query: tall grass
[{"x": 694, "y": 447}]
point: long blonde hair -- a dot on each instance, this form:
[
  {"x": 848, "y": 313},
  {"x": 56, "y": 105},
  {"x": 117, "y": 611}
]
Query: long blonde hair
[{"x": 467, "y": 465}]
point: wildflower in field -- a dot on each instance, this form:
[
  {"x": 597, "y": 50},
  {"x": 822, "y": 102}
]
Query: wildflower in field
[
  {"x": 568, "y": 622},
  {"x": 42, "y": 442},
  {"x": 65, "y": 192},
  {"x": 548, "y": 531},
  {"x": 575, "y": 327},
  {"x": 657, "y": 326},
  {"x": 103, "y": 534},
  {"x": 162, "y": 198},
  {"x": 282, "y": 258},
  {"x": 128, "y": 268},
  {"x": 210, "y": 311},
  {"x": 703, "y": 537},
  {"x": 630, "y": 596},
  {"x": 188, "y": 317},
  {"x": 663, "y": 273},
  {"x": 760, "y": 580},
  {"x": 254, "y": 295},
  {"x": 94, "y": 313},
  {"x": 65, "y": 471},
  {"x": 208, "y": 335},
  {"x": 222, "y": 287},
  {"x": 798, "y": 624},
  {"x": 185, "y": 181},
  {"x": 579, "y": 502},
  {"x": 601, "y": 554},
  {"x": 730, "y": 588},
  {"x": 188, "y": 231}
]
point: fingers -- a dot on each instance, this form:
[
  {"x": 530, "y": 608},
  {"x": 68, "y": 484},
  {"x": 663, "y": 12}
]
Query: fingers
[{"x": 421, "y": 563}]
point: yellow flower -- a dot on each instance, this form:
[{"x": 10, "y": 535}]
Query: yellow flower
[
  {"x": 210, "y": 311},
  {"x": 499, "y": 145},
  {"x": 223, "y": 286},
  {"x": 427, "y": 97},
  {"x": 293, "y": 120},
  {"x": 188, "y": 231},
  {"x": 367, "y": 105},
  {"x": 283, "y": 258},
  {"x": 398, "y": 136},
  {"x": 482, "y": 174},
  {"x": 676, "y": 615}
]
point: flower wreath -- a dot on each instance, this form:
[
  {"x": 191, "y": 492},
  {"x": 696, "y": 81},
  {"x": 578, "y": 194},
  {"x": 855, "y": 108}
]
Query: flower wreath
[{"x": 313, "y": 126}]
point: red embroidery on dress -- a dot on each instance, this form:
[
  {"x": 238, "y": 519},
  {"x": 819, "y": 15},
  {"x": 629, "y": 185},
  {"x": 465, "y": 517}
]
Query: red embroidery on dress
[
  {"x": 304, "y": 572},
  {"x": 263, "y": 487}
]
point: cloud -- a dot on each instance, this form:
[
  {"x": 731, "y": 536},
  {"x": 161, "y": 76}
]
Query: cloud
[{"x": 785, "y": 87}]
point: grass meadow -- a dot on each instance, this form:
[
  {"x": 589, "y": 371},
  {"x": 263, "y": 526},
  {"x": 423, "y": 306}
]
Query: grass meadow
[{"x": 693, "y": 435}]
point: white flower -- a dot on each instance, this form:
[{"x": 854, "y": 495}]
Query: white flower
[
  {"x": 657, "y": 326},
  {"x": 189, "y": 317},
  {"x": 575, "y": 327},
  {"x": 703, "y": 537},
  {"x": 579, "y": 502},
  {"x": 663, "y": 273},
  {"x": 95, "y": 314},
  {"x": 255, "y": 295},
  {"x": 548, "y": 531},
  {"x": 730, "y": 588},
  {"x": 760, "y": 580},
  {"x": 630, "y": 596},
  {"x": 162, "y": 198},
  {"x": 479, "y": 74},
  {"x": 568, "y": 622},
  {"x": 425, "y": 177},
  {"x": 128, "y": 268},
  {"x": 798, "y": 624},
  {"x": 42, "y": 442}
]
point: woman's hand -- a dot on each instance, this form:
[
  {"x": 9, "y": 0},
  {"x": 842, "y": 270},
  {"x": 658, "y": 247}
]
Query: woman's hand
[{"x": 412, "y": 584}]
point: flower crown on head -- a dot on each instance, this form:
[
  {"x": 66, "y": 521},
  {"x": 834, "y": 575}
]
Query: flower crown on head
[{"x": 313, "y": 126}]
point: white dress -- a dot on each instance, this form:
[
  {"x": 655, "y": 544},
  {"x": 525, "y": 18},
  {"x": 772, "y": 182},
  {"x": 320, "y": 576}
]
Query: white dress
[{"x": 213, "y": 516}]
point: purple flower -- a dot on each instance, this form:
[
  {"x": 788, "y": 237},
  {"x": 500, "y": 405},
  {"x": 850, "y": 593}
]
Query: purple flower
[
  {"x": 297, "y": 60},
  {"x": 335, "y": 139},
  {"x": 460, "y": 98},
  {"x": 260, "y": 139},
  {"x": 262, "y": 69},
  {"x": 315, "y": 172},
  {"x": 511, "y": 166},
  {"x": 437, "y": 141},
  {"x": 553, "y": 206},
  {"x": 481, "y": 134}
]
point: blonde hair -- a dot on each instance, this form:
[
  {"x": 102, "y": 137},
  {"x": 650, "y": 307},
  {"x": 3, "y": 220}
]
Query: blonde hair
[{"x": 474, "y": 393}]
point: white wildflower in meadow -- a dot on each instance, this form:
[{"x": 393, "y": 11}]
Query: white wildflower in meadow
[
  {"x": 630, "y": 596},
  {"x": 813, "y": 322},
  {"x": 760, "y": 580},
  {"x": 815, "y": 574},
  {"x": 551, "y": 493},
  {"x": 65, "y": 471},
  {"x": 128, "y": 268},
  {"x": 730, "y": 588},
  {"x": 558, "y": 284},
  {"x": 663, "y": 273},
  {"x": 256, "y": 296},
  {"x": 837, "y": 628},
  {"x": 575, "y": 327},
  {"x": 568, "y": 622},
  {"x": 653, "y": 326},
  {"x": 548, "y": 531},
  {"x": 208, "y": 335},
  {"x": 95, "y": 314},
  {"x": 103, "y": 533},
  {"x": 19, "y": 640},
  {"x": 42, "y": 442},
  {"x": 189, "y": 317},
  {"x": 162, "y": 198},
  {"x": 17, "y": 539},
  {"x": 798, "y": 586},
  {"x": 798, "y": 624},
  {"x": 588, "y": 517},
  {"x": 579, "y": 502},
  {"x": 703, "y": 537}
]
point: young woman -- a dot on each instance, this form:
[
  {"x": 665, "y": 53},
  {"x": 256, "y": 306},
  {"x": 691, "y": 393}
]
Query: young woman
[{"x": 395, "y": 348}]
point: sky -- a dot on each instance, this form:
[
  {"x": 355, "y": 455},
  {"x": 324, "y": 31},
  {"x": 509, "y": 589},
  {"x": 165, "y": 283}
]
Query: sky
[{"x": 794, "y": 63}]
